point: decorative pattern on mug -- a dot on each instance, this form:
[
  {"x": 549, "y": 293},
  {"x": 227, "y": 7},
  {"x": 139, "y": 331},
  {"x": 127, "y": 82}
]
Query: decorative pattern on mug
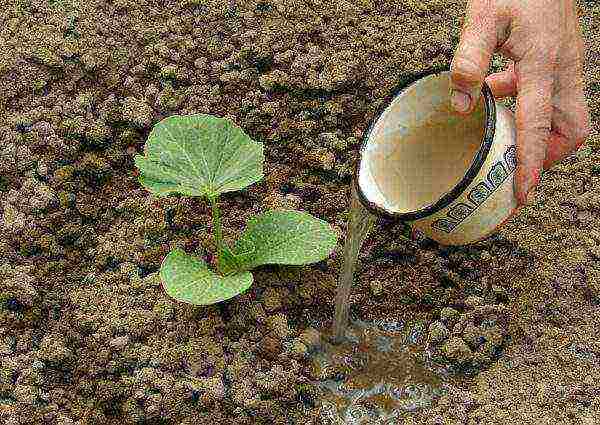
[{"x": 482, "y": 190}]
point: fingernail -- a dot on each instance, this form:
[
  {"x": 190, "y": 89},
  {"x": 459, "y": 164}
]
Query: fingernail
[{"x": 460, "y": 101}]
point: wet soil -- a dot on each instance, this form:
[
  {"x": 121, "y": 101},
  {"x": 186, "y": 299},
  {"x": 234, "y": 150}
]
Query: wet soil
[{"x": 87, "y": 334}]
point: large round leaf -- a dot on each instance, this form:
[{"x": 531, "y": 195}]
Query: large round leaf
[
  {"x": 188, "y": 279},
  {"x": 284, "y": 237},
  {"x": 199, "y": 155}
]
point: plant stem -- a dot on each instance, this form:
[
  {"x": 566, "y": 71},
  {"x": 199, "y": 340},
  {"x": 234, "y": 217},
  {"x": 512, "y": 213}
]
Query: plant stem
[{"x": 217, "y": 231}]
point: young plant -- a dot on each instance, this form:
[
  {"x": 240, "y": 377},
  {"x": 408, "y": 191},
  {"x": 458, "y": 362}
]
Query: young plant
[{"x": 202, "y": 155}]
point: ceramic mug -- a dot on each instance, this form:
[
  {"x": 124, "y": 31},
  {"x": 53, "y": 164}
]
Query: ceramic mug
[{"x": 448, "y": 175}]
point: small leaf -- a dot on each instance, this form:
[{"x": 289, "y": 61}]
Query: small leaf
[
  {"x": 199, "y": 155},
  {"x": 284, "y": 237},
  {"x": 188, "y": 279}
]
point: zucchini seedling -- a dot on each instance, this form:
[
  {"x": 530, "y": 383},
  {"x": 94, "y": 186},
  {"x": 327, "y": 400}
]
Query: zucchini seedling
[{"x": 203, "y": 155}]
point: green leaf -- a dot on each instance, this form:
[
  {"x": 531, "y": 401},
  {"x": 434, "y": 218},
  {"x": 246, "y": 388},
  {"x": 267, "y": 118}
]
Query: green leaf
[
  {"x": 199, "y": 155},
  {"x": 188, "y": 279},
  {"x": 284, "y": 237},
  {"x": 227, "y": 261}
]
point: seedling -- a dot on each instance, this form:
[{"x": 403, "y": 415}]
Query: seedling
[{"x": 203, "y": 155}]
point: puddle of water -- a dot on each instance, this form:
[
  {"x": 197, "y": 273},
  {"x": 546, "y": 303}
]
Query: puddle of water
[{"x": 384, "y": 373}]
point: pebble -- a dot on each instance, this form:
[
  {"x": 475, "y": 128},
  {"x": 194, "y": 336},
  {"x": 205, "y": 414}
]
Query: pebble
[
  {"x": 376, "y": 288},
  {"x": 449, "y": 316},
  {"x": 500, "y": 293},
  {"x": 438, "y": 333},
  {"x": 119, "y": 342},
  {"x": 311, "y": 338},
  {"x": 270, "y": 347},
  {"x": 595, "y": 252},
  {"x": 457, "y": 349},
  {"x": 64, "y": 420},
  {"x": 294, "y": 200},
  {"x": 279, "y": 325},
  {"x": 488, "y": 349},
  {"x": 473, "y": 301},
  {"x": 37, "y": 364},
  {"x": 298, "y": 348},
  {"x": 472, "y": 335},
  {"x": 24, "y": 393},
  {"x": 493, "y": 334},
  {"x": 457, "y": 329}
]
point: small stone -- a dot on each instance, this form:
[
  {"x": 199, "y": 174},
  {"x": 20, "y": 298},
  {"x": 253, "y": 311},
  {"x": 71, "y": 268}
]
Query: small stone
[
  {"x": 278, "y": 324},
  {"x": 438, "y": 332},
  {"x": 588, "y": 419},
  {"x": 458, "y": 328},
  {"x": 488, "y": 349},
  {"x": 376, "y": 288},
  {"x": 24, "y": 393},
  {"x": 201, "y": 64},
  {"x": 311, "y": 337},
  {"x": 137, "y": 112},
  {"x": 215, "y": 388},
  {"x": 472, "y": 335},
  {"x": 151, "y": 92},
  {"x": 457, "y": 349},
  {"x": 270, "y": 347},
  {"x": 473, "y": 301},
  {"x": 449, "y": 316},
  {"x": 293, "y": 200},
  {"x": 37, "y": 364},
  {"x": 485, "y": 256},
  {"x": 594, "y": 252},
  {"x": 298, "y": 348},
  {"x": 64, "y": 420},
  {"x": 119, "y": 343},
  {"x": 271, "y": 300},
  {"x": 500, "y": 293},
  {"x": 53, "y": 349},
  {"x": 481, "y": 359},
  {"x": 494, "y": 335}
]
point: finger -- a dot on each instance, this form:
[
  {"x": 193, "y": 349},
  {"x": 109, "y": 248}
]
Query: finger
[
  {"x": 557, "y": 147},
  {"x": 533, "y": 121},
  {"x": 571, "y": 116},
  {"x": 503, "y": 84},
  {"x": 571, "y": 122},
  {"x": 472, "y": 58}
]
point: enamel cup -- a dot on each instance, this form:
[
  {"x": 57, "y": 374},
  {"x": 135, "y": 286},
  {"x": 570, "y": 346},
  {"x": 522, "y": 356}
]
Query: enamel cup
[{"x": 449, "y": 176}]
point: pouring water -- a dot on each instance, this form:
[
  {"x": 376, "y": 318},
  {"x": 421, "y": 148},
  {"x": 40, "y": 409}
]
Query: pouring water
[{"x": 359, "y": 225}]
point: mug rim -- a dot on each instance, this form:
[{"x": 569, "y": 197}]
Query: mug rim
[{"x": 472, "y": 172}]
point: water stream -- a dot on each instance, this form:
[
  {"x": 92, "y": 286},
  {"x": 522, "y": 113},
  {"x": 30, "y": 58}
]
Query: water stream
[{"x": 359, "y": 224}]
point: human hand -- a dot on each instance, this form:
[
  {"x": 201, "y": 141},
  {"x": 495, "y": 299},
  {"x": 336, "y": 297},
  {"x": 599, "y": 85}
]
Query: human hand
[{"x": 543, "y": 39}]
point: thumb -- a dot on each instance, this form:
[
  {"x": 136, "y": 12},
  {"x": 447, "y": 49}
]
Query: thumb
[{"x": 472, "y": 58}]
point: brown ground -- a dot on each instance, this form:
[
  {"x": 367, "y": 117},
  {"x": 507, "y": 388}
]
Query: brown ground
[{"x": 89, "y": 337}]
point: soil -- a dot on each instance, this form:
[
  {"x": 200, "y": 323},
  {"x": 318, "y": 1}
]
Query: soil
[{"x": 89, "y": 336}]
